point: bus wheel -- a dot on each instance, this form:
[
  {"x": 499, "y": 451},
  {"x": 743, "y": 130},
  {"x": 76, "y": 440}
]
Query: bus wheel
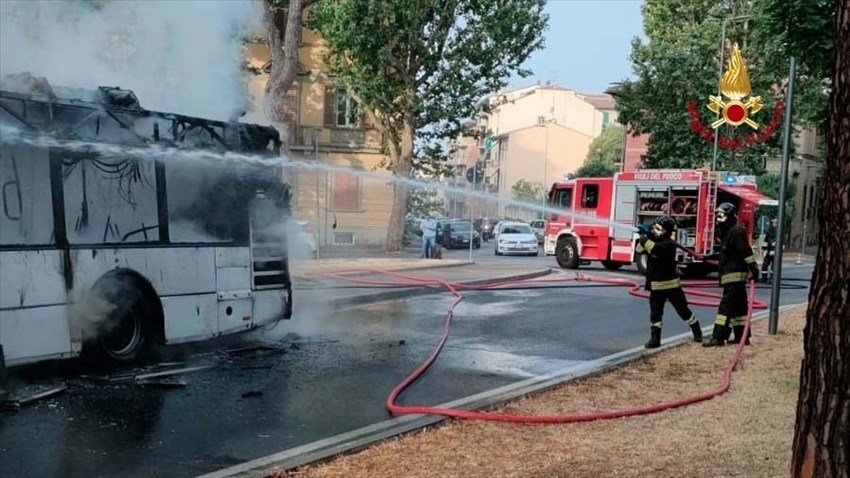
[
  {"x": 641, "y": 263},
  {"x": 611, "y": 265},
  {"x": 566, "y": 253},
  {"x": 125, "y": 322}
]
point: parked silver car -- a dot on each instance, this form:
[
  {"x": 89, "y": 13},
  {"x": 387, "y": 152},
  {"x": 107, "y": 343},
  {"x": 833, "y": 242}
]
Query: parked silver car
[{"x": 539, "y": 228}]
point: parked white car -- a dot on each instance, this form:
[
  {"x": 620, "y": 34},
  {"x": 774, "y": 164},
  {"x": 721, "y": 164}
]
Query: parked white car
[{"x": 516, "y": 238}]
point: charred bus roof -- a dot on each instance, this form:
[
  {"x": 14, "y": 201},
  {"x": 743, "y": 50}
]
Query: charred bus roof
[{"x": 115, "y": 115}]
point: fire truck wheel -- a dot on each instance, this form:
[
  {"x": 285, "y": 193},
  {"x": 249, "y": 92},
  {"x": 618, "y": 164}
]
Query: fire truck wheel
[
  {"x": 567, "y": 253},
  {"x": 611, "y": 265},
  {"x": 125, "y": 319},
  {"x": 641, "y": 263}
]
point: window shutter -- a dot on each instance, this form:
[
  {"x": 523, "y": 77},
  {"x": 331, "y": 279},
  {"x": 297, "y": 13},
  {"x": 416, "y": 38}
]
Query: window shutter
[{"x": 330, "y": 106}]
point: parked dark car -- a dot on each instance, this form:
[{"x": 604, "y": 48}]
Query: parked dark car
[{"x": 456, "y": 234}]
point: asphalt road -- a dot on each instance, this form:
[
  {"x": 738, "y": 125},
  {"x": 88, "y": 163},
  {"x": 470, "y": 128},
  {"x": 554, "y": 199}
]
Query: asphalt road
[{"x": 328, "y": 373}]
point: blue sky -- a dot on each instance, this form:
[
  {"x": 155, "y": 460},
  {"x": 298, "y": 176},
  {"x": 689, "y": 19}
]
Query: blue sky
[{"x": 587, "y": 44}]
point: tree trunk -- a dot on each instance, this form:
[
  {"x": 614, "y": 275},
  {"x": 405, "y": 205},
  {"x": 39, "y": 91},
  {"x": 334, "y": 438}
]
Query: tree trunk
[
  {"x": 402, "y": 166},
  {"x": 822, "y": 433},
  {"x": 284, "y": 66}
]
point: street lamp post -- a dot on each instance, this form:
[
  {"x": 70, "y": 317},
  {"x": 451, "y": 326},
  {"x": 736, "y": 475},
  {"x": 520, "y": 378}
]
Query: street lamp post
[{"x": 807, "y": 201}]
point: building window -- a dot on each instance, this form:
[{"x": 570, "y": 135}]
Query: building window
[
  {"x": 346, "y": 110},
  {"x": 606, "y": 118},
  {"x": 589, "y": 196},
  {"x": 346, "y": 192},
  {"x": 343, "y": 238}
]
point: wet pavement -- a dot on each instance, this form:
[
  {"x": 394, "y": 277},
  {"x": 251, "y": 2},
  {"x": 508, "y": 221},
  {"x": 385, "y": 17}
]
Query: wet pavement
[{"x": 327, "y": 372}]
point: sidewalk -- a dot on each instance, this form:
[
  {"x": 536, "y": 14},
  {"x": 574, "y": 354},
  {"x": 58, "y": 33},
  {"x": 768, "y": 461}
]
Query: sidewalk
[
  {"x": 745, "y": 433},
  {"x": 339, "y": 293}
]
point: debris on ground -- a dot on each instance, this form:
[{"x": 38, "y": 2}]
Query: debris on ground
[
  {"x": 14, "y": 403},
  {"x": 168, "y": 373},
  {"x": 247, "y": 350},
  {"x": 167, "y": 382},
  {"x": 746, "y": 432},
  {"x": 252, "y": 393}
]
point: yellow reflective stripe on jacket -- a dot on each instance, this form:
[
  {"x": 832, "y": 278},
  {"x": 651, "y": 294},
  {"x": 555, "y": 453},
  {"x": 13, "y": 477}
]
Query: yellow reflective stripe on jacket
[
  {"x": 665, "y": 284},
  {"x": 639, "y": 248},
  {"x": 734, "y": 277},
  {"x": 750, "y": 259},
  {"x": 648, "y": 245}
]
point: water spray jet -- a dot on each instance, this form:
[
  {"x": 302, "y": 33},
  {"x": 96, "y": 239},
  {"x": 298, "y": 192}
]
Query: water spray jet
[{"x": 158, "y": 152}]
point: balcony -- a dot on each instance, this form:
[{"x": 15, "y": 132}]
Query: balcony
[{"x": 343, "y": 137}]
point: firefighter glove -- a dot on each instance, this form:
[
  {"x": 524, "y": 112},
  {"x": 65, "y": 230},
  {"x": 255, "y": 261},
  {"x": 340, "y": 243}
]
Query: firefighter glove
[{"x": 754, "y": 271}]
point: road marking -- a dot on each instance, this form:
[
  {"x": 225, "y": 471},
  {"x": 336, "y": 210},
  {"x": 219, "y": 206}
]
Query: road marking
[{"x": 362, "y": 437}]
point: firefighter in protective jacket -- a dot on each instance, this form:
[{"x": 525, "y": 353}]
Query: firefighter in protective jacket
[
  {"x": 662, "y": 279},
  {"x": 737, "y": 265}
]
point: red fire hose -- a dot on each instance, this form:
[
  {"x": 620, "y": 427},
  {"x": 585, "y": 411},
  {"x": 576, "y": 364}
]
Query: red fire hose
[{"x": 412, "y": 281}]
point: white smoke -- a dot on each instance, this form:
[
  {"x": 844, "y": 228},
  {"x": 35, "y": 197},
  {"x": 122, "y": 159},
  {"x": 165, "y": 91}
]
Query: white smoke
[{"x": 182, "y": 56}]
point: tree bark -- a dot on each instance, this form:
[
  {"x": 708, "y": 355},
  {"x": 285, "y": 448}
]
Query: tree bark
[
  {"x": 284, "y": 66},
  {"x": 402, "y": 166},
  {"x": 822, "y": 434}
]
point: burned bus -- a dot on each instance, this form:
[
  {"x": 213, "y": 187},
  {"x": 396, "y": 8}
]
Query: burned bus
[{"x": 122, "y": 229}]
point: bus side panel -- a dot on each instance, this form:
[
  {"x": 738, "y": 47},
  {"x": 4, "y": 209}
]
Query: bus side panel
[
  {"x": 31, "y": 278},
  {"x": 268, "y": 305},
  {"x": 33, "y": 334},
  {"x": 183, "y": 277},
  {"x": 190, "y": 317},
  {"x": 171, "y": 271}
]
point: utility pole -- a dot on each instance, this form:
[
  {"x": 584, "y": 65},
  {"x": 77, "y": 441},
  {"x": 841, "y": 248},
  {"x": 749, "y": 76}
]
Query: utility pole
[
  {"x": 318, "y": 203},
  {"x": 773, "y": 319}
]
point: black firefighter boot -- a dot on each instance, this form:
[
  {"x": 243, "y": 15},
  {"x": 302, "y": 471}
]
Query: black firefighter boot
[
  {"x": 697, "y": 331},
  {"x": 655, "y": 338},
  {"x": 718, "y": 337},
  {"x": 739, "y": 332}
]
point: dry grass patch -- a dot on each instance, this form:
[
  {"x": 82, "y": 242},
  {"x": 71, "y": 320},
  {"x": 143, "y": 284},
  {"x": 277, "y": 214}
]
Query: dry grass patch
[{"x": 745, "y": 433}]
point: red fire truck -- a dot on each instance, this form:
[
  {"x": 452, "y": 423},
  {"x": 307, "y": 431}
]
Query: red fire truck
[{"x": 584, "y": 233}]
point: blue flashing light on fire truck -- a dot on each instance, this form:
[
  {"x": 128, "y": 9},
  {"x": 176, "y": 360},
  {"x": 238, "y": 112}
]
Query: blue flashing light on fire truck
[{"x": 639, "y": 197}]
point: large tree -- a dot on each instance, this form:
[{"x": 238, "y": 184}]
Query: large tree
[
  {"x": 419, "y": 68},
  {"x": 282, "y": 20},
  {"x": 822, "y": 433}
]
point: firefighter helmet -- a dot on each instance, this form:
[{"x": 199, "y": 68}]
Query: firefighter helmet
[
  {"x": 726, "y": 211},
  {"x": 663, "y": 227}
]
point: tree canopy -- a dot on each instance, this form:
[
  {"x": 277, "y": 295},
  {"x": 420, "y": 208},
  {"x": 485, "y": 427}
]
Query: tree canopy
[
  {"x": 419, "y": 69},
  {"x": 680, "y": 63},
  {"x": 527, "y": 191}
]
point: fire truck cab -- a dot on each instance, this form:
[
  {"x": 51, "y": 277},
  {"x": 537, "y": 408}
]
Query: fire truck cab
[{"x": 586, "y": 231}]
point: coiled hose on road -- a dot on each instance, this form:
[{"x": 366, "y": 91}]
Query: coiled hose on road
[{"x": 455, "y": 289}]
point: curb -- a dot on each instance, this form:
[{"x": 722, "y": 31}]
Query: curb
[
  {"x": 362, "y": 438},
  {"x": 405, "y": 293}
]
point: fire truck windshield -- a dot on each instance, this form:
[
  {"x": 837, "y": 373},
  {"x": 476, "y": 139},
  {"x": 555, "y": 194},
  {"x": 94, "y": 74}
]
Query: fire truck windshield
[{"x": 563, "y": 198}]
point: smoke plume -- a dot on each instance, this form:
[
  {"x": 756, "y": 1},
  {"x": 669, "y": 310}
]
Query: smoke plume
[{"x": 180, "y": 56}]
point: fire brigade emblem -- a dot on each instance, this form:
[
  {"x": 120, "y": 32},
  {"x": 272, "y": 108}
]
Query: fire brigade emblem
[
  {"x": 735, "y": 87},
  {"x": 734, "y": 107}
]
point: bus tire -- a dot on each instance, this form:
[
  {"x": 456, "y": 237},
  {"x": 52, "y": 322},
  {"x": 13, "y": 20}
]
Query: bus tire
[
  {"x": 126, "y": 325},
  {"x": 611, "y": 265},
  {"x": 566, "y": 253},
  {"x": 641, "y": 261}
]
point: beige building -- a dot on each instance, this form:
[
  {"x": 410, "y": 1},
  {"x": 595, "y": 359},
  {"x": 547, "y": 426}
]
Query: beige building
[
  {"x": 805, "y": 170},
  {"x": 540, "y": 133},
  {"x": 328, "y": 128}
]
